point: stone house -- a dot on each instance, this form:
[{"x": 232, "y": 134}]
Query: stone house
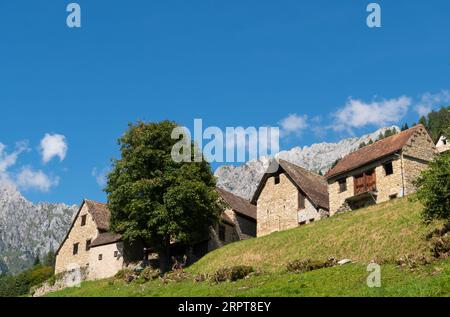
[
  {"x": 381, "y": 171},
  {"x": 237, "y": 222},
  {"x": 89, "y": 244},
  {"x": 289, "y": 196},
  {"x": 443, "y": 144}
]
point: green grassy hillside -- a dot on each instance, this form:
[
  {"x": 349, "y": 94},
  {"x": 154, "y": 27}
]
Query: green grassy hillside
[{"x": 383, "y": 233}]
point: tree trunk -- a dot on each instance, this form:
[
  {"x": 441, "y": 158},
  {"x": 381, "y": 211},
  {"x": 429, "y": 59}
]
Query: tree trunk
[{"x": 164, "y": 258}]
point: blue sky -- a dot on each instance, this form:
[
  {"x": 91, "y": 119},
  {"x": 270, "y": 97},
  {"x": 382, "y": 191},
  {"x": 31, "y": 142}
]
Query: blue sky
[{"x": 231, "y": 63}]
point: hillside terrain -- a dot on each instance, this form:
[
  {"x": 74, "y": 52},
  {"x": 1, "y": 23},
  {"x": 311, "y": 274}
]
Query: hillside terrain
[{"x": 383, "y": 233}]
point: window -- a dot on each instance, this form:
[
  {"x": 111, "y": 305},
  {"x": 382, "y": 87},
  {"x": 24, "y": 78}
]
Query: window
[
  {"x": 83, "y": 220},
  {"x": 301, "y": 223},
  {"x": 388, "y": 168},
  {"x": 277, "y": 179},
  {"x": 301, "y": 200},
  {"x": 311, "y": 220},
  {"x": 100, "y": 257},
  {"x": 88, "y": 245},
  {"x": 75, "y": 248},
  {"x": 393, "y": 196},
  {"x": 342, "y": 185},
  {"x": 222, "y": 232},
  {"x": 116, "y": 254}
]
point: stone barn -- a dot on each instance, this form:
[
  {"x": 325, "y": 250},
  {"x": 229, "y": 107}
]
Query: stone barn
[
  {"x": 89, "y": 244},
  {"x": 289, "y": 196},
  {"x": 381, "y": 171}
]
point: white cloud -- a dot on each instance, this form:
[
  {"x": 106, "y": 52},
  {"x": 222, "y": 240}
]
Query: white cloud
[
  {"x": 9, "y": 159},
  {"x": 53, "y": 145},
  {"x": 427, "y": 102},
  {"x": 293, "y": 124},
  {"x": 100, "y": 176},
  {"x": 38, "y": 180},
  {"x": 357, "y": 113}
]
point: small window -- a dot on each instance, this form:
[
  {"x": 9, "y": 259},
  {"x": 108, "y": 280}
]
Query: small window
[
  {"x": 301, "y": 201},
  {"x": 391, "y": 197},
  {"x": 116, "y": 254},
  {"x": 88, "y": 245},
  {"x": 83, "y": 220},
  {"x": 100, "y": 257},
  {"x": 342, "y": 185},
  {"x": 75, "y": 248},
  {"x": 388, "y": 168},
  {"x": 311, "y": 220},
  {"x": 277, "y": 179},
  {"x": 301, "y": 223},
  {"x": 222, "y": 232}
]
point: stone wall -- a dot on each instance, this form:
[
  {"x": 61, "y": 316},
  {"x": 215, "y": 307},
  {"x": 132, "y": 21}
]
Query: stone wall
[
  {"x": 277, "y": 207},
  {"x": 109, "y": 264},
  {"x": 420, "y": 146},
  {"x": 388, "y": 186},
  {"x": 407, "y": 167},
  {"x": 65, "y": 260},
  {"x": 230, "y": 234}
]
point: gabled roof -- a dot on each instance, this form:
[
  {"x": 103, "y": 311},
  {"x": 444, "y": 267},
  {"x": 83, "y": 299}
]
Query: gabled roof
[
  {"x": 313, "y": 185},
  {"x": 106, "y": 238},
  {"x": 372, "y": 152},
  {"x": 238, "y": 204},
  {"x": 99, "y": 212}
]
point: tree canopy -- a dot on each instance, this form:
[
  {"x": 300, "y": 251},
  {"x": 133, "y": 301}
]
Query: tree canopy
[{"x": 156, "y": 200}]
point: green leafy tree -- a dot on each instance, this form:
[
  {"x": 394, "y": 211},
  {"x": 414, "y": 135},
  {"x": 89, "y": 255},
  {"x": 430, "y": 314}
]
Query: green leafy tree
[
  {"x": 156, "y": 200},
  {"x": 436, "y": 122},
  {"x": 434, "y": 189}
]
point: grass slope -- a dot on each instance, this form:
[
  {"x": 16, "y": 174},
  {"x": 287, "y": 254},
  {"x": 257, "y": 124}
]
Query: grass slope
[{"x": 384, "y": 232}]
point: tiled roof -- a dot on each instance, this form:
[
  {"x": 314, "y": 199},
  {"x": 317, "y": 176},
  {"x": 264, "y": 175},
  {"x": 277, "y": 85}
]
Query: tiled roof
[
  {"x": 106, "y": 238},
  {"x": 373, "y": 152},
  {"x": 100, "y": 213},
  {"x": 238, "y": 204},
  {"x": 313, "y": 185}
]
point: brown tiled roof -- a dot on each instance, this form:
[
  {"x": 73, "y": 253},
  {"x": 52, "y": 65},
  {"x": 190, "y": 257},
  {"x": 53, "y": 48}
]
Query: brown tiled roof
[
  {"x": 106, "y": 238},
  {"x": 373, "y": 152},
  {"x": 313, "y": 185},
  {"x": 100, "y": 213},
  {"x": 238, "y": 204}
]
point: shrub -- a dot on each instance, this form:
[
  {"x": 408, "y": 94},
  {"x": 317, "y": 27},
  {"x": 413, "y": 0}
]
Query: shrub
[
  {"x": 240, "y": 272},
  {"x": 149, "y": 274},
  {"x": 433, "y": 189},
  {"x": 126, "y": 275},
  {"x": 232, "y": 274},
  {"x": 300, "y": 266}
]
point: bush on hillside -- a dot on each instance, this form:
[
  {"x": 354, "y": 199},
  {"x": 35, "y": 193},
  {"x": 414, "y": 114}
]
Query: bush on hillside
[
  {"x": 433, "y": 189},
  {"x": 232, "y": 274},
  {"x": 11, "y": 286},
  {"x": 149, "y": 274},
  {"x": 300, "y": 266}
]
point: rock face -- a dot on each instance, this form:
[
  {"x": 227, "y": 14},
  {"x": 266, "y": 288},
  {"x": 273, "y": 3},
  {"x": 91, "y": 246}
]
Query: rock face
[
  {"x": 28, "y": 229},
  {"x": 243, "y": 180}
]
